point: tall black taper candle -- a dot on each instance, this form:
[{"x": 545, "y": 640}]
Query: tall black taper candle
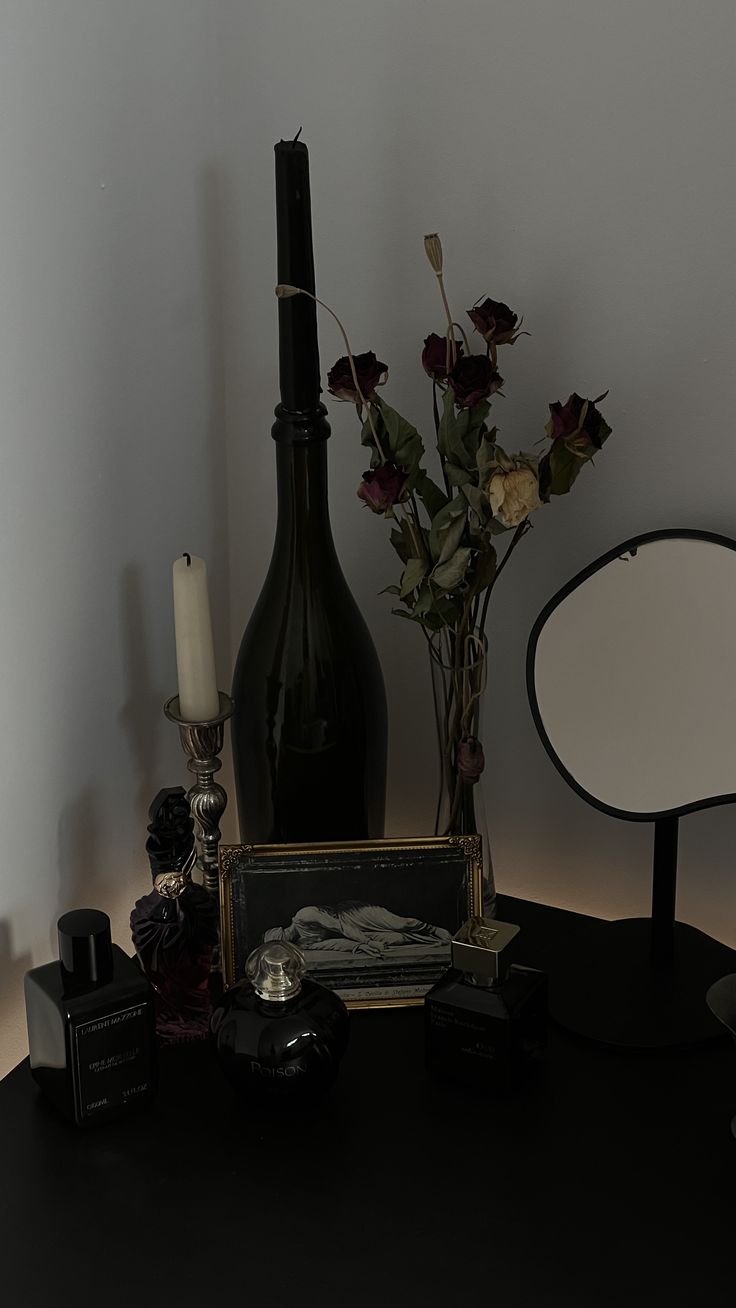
[{"x": 298, "y": 350}]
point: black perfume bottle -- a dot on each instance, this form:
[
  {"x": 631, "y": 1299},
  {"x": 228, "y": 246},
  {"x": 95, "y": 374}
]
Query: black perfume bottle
[
  {"x": 485, "y": 1020},
  {"x": 280, "y": 1035},
  {"x": 90, "y": 1018}
]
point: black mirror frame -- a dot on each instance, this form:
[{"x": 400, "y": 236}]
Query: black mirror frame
[{"x": 627, "y": 547}]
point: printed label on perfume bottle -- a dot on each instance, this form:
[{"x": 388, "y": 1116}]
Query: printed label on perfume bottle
[
  {"x": 288, "y": 1070},
  {"x": 113, "y": 1060},
  {"x": 462, "y": 1033}
]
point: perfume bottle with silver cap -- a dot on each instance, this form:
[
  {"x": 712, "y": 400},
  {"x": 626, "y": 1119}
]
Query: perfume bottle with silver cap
[
  {"x": 279, "y": 1034},
  {"x": 486, "y": 1018}
]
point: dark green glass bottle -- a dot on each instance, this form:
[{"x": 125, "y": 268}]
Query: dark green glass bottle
[{"x": 309, "y": 729}]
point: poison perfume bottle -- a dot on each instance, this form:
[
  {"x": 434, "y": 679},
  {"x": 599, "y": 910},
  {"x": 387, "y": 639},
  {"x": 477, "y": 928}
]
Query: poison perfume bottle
[
  {"x": 485, "y": 1020},
  {"x": 279, "y": 1035},
  {"x": 309, "y": 729},
  {"x": 91, "y": 1033},
  {"x": 175, "y": 927}
]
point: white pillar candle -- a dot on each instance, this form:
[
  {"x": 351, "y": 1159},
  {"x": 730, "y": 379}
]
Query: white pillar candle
[{"x": 195, "y": 655}]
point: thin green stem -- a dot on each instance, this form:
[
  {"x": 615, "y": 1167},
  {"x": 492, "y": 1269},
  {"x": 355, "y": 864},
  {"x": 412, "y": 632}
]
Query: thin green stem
[{"x": 521, "y": 530}]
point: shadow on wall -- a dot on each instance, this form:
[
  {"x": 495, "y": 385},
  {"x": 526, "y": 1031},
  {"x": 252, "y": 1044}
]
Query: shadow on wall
[
  {"x": 214, "y": 238},
  {"x": 81, "y": 851},
  {"x": 12, "y": 969},
  {"x": 141, "y": 712}
]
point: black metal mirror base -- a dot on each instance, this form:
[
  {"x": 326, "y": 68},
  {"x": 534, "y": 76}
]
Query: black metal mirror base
[{"x": 619, "y": 994}]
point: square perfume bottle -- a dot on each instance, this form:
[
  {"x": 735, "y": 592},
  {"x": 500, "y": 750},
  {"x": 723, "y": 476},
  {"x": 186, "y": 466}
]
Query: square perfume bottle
[
  {"x": 91, "y": 1033},
  {"x": 485, "y": 1020}
]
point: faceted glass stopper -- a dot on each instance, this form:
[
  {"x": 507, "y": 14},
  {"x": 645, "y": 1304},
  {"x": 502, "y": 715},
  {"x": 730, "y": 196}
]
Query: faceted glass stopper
[{"x": 276, "y": 970}]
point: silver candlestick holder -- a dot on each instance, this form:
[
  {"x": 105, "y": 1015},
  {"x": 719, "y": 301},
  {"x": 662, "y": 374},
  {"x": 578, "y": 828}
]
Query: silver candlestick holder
[{"x": 202, "y": 742}]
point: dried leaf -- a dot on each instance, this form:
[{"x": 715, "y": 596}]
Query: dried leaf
[
  {"x": 433, "y": 499},
  {"x": 449, "y": 574},
  {"x": 447, "y": 529},
  {"x": 476, "y": 500},
  {"x": 413, "y": 575}
]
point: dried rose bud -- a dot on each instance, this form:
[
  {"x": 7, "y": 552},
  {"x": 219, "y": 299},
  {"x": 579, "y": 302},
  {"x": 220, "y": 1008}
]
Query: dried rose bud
[
  {"x": 473, "y": 379},
  {"x": 284, "y": 291},
  {"x": 496, "y": 322},
  {"x": 470, "y": 759},
  {"x": 579, "y": 422},
  {"x": 369, "y": 371},
  {"x": 382, "y": 487},
  {"x": 435, "y": 356},
  {"x": 433, "y": 248}
]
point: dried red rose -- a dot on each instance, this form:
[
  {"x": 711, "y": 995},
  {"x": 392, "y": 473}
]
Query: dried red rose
[
  {"x": 473, "y": 379},
  {"x": 578, "y": 421},
  {"x": 382, "y": 487},
  {"x": 496, "y": 322},
  {"x": 435, "y": 356},
  {"x": 369, "y": 371}
]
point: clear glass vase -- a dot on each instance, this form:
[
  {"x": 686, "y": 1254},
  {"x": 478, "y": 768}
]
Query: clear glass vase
[{"x": 459, "y": 667}]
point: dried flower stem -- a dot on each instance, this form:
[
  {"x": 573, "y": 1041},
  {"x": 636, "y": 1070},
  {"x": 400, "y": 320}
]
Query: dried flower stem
[
  {"x": 433, "y": 250},
  {"x": 462, "y": 332},
  {"x": 285, "y": 292},
  {"x": 450, "y": 334},
  {"x": 412, "y": 519},
  {"x": 521, "y": 530}
]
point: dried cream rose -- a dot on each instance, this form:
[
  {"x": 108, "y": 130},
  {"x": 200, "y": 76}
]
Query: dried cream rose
[{"x": 513, "y": 495}]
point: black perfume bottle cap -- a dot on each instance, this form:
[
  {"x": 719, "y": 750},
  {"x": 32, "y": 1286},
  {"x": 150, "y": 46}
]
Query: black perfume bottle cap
[
  {"x": 483, "y": 948},
  {"x": 85, "y": 947},
  {"x": 275, "y": 970}
]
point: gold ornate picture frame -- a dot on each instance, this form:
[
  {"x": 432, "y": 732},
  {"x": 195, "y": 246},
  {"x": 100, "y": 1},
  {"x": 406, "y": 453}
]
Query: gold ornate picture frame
[{"x": 373, "y": 919}]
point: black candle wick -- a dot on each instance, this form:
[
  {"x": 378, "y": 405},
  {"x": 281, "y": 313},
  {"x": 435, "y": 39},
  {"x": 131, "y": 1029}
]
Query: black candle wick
[
  {"x": 296, "y": 138},
  {"x": 188, "y": 558}
]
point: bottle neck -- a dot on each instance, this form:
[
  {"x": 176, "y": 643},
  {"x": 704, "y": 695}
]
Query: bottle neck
[{"x": 301, "y": 468}]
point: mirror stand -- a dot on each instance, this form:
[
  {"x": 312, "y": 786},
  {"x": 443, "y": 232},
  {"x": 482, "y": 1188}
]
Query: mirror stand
[{"x": 643, "y": 980}]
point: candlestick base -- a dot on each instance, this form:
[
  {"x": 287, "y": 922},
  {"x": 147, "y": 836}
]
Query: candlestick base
[{"x": 202, "y": 743}]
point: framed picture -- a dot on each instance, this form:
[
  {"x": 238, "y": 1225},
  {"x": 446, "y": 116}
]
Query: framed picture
[{"x": 373, "y": 920}]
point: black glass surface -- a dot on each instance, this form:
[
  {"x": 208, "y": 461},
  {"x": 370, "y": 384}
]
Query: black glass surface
[{"x": 607, "y": 1181}]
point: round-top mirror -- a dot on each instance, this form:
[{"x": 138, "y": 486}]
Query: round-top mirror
[{"x": 632, "y": 676}]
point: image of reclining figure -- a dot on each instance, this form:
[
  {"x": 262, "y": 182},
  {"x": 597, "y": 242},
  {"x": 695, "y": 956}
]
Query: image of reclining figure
[{"x": 355, "y": 927}]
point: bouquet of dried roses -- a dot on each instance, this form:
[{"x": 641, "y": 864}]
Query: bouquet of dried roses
[{"x": 454, "y": 536}]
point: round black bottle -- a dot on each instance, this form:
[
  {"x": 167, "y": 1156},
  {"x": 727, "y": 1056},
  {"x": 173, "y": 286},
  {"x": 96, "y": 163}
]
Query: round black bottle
[{"x": 280, "y": 1035}]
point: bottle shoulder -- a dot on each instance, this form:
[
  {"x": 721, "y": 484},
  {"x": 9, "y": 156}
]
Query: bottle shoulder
[
  {"x": 504, "y": 1000},
  {"x": 313, "y": 1007},
  {"x": 128, "y": 986}
]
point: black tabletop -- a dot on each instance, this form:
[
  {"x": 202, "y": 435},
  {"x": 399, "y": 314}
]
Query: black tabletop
[{"x": 611, "y": 1181}]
